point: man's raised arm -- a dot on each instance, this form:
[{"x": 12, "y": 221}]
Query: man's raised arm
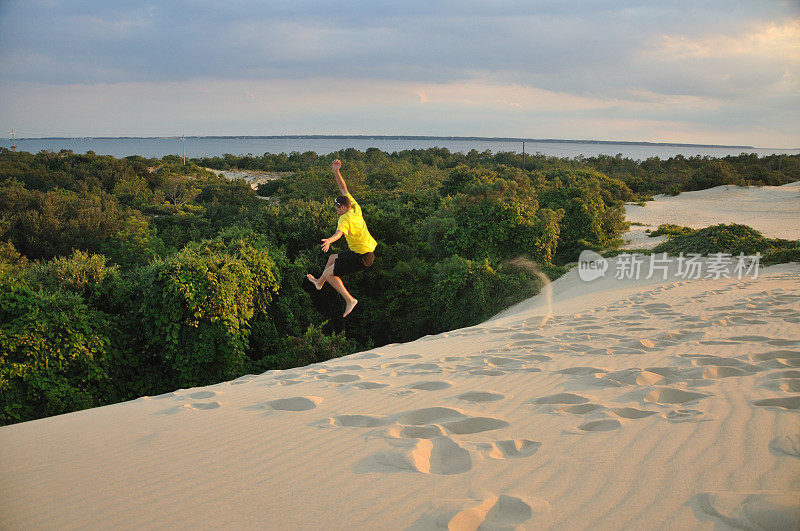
[{"x": 339, "y": 181}]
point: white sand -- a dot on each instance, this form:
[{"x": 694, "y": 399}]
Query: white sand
[
  {"x": 253, "y": 177},
  {"x": 772, "y": 210},
  {"x": 606, "y": 404}
]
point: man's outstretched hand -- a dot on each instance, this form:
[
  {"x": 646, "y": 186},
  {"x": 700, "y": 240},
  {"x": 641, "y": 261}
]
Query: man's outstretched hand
[{"x": 336, "y": 164}]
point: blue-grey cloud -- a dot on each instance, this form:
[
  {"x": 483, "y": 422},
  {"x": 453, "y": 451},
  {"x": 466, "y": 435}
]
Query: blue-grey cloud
[
  {"x": 625, "y": 52},
  {"x": 550, "y": 44}
]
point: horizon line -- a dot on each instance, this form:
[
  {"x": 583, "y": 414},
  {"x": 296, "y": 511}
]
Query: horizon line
[{"x": 403, "y": 137}]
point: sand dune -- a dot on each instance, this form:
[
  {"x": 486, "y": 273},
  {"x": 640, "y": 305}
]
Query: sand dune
[
  {"x": 772, "y": 210},
  {"x": 606, "y": 404}
]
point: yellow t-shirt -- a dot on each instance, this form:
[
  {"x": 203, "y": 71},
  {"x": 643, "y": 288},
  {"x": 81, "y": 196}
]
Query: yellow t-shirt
[{"x": 352, "y": 224}]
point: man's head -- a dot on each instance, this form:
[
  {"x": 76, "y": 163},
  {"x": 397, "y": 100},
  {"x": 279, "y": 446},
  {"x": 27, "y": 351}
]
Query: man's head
[{"x": 342, "y": 204}]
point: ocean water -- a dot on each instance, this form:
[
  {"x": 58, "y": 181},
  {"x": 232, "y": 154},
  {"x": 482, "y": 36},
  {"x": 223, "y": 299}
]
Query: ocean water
[{"x": 209, "y": 147}]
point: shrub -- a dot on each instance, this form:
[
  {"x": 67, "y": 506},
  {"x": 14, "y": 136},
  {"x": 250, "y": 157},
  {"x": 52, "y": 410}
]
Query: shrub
[
  {"x": 466, "y": 293},
  {"x": 198, "y": 304},
  {"x": 671, "y": 230},
  {"x": 312, "y": 347},
  {"x": 732, "y": 239},
  {"x": 52, "y": 355}
]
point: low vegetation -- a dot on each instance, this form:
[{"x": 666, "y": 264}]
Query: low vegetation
[{"x": 730, "y": 239}]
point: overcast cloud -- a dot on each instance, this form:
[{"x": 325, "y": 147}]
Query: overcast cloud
[{"x": 711, "y": 72}]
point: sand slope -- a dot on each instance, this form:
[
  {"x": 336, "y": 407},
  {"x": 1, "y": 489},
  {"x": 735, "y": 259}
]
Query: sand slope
[
  {"x": 772, "y": 210},
  {"x": 670, "y": 404}
]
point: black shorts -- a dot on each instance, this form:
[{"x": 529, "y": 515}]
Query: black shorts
[{"x": 348, "y": 262}]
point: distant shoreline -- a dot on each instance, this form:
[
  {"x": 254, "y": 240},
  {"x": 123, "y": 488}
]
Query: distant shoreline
[{"x": 397, "y": 137}]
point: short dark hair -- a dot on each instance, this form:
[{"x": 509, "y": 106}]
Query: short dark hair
[{"x": 342, "y": 201}]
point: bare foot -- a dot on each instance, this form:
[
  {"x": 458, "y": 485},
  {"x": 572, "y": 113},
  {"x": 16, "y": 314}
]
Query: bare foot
[
  {"x": 317, "y": 283},
  {"x": 349, "y": 307}
]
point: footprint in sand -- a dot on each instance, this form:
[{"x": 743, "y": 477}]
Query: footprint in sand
[
  {"x": 473, "y": 425},
  {"x": 785, "y": 375},
  {"x": 162, "y": 397},
  {"x": 486, "y": 372},
  {"x": 202, "y": 394},
  {"x": 344, "y": 378},
  {"x": 342, "y": 368},
  {"x": 526, "y": 335},
  {"x": 600, "y": 380},
  {"x": 440, "y": 455},
  {"x": 535, "y": 357},
  {"x": 510, "y": 449},
  {"x": 171, "y": 410},
  {"x": 581, "y": 371},
  {"x": 687, "y": 415},
  {"x": 789, "y": 402},
  {"x": 297, "y": 403},
  {"x": 784, "y": 342},
  {"x": 247, "y": 378},
  {"x": 417, "y": 432},
  {"x": 367, "y": 356},
  {"x": 600, "y": 425},
  {"x": 529, "y": 343},
  {"x": 702, "y": 360},
  {"x": 751, "y": 339},
  {"x": 480, "y": 396},
  {"x": 431, "y": 386},
  {"x": 582, "y": 409},
  {"x": 423, "y": 368},
  {"x": 666, "y": 395},
  {"x": 285, "y": 376},
  {"x": 754, "y": 510},
  {"x": 370, "y": 385},
  {"x": 632, "y": 413},
  {"x": 357, "y": 421},
  {"x": 429, "y": 415},
  {"x": 649, "y": 377},
  {"x": 560, "y": 398},
  {"x": 713, "y": 373},
  {"x": 624, "y": 376},
  {"x": 289, "y": 382},
  {"x": 785, "y": 445},
  {"x": 496, "y": 361},
  {"x": 780, "y": 358},
  {"x": 202, "y": 406},
  {"x": 497, "y": 512},
  {"x": 790, "y": 386},
  {"x": 432, "y": 422}
]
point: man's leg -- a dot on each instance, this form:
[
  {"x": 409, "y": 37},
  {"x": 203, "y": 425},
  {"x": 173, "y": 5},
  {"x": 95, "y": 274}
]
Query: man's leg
[
  {"x": 319, "y": 282},
  {"x": 337, "y": 284}
]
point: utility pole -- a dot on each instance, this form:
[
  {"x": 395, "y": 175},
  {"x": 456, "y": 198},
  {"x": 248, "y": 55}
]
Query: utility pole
[
  {"x": 183, "y": 139},
  {"x": 13, "y": 141}
]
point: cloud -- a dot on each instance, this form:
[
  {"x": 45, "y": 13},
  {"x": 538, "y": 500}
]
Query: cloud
[{"x": 637, "y": 63}]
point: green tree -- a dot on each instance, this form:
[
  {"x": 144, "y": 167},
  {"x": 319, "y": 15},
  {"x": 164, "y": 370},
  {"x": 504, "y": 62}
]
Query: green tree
[
  {"x": 52, "y": 355},
  {"x": 197, "y": 306}
]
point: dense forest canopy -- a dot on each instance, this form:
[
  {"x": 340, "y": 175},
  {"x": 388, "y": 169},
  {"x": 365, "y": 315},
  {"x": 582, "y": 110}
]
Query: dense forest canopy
[{"x": 128, "y": 277}]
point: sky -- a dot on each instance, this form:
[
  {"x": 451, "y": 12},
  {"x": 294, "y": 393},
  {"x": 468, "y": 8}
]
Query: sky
[{"x": 711, "y": 72}]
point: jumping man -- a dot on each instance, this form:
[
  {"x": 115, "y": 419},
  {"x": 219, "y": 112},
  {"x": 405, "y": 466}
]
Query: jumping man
[{"x": 360, "y": 255}]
